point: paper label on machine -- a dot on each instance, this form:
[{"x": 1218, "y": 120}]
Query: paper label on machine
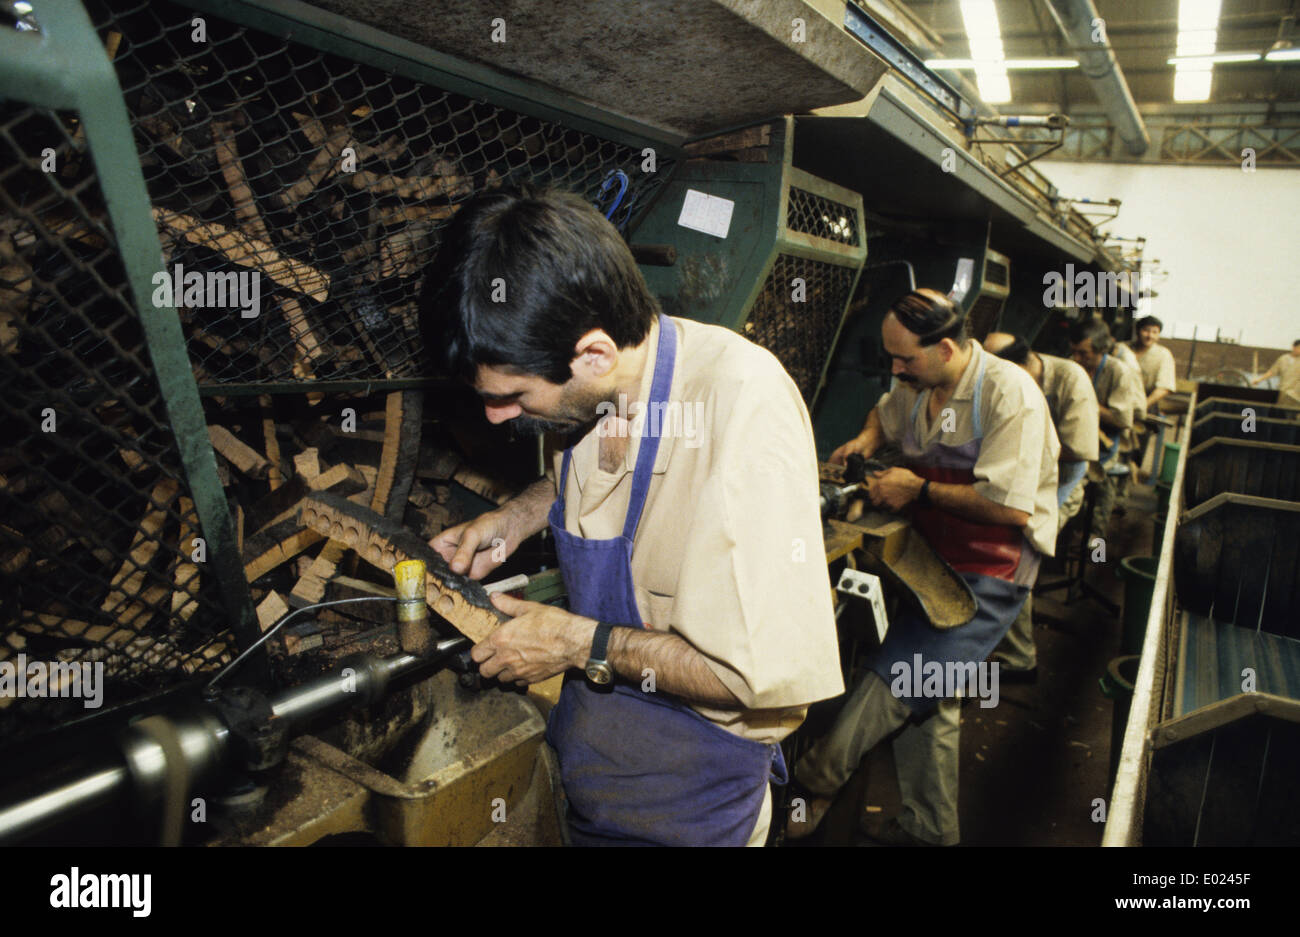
[{"x": 707, "y": 213}]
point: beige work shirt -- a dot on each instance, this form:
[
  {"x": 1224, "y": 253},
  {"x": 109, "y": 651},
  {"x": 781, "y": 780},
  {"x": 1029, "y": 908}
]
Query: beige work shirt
[
  {"x": 1288, "y": 381},
  {"x": 1073, "y": 405},
  {"x": 1125, "y": 355},
  {"x": 1016, "y": 465},
  {"x": 729, "y": 552},
  {"x": 1120, "y": 388},
  {"x": 1156, "y": 365}
]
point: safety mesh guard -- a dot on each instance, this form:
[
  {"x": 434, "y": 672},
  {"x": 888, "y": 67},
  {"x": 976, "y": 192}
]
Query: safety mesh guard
[
  {"x": 822, "y": 217},
  {"x": 96, "y": 521},
  {"x": 247, "y": 143},
  {"x": 801, "y": 333}
]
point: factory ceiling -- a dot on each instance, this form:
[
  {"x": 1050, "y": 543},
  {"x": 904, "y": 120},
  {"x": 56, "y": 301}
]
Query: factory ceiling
[{"x": 1144, "y": 36}]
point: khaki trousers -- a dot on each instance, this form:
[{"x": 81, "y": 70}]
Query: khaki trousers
[{"x": 925, "y": 754}]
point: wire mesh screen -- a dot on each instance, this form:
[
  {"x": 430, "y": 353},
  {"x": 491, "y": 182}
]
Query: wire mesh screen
[
  {"x": 822, "y": 217},
  {"x": 984, "y": 315},
  {"x": 96, "y": 523},
  {"x": 800, "y": 331},
  {"x": 329, "y": 178}
]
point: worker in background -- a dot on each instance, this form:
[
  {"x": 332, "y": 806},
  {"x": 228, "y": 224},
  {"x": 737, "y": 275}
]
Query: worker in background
[
  {"x": 1287, "y": 370},
  {"x": 1072, "y": 403},
  {"x": 980, "y": 486},
  {"x": 1155, "y": 362},
  {"x": 1156, "y": 367},
  {"x": 1121, "y": 404},
  {"x": 1123, "y": 352},
  {"x": 700, "y": 624}
]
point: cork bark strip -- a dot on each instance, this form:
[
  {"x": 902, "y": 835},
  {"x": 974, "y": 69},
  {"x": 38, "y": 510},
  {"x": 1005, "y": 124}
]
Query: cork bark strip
[{"x": 383, "y": 542}]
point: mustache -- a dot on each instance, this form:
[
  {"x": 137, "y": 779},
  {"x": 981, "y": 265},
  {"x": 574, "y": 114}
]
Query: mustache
[
  {"x": 530, "y": 426},
  {"x": 907, "y": 379}
]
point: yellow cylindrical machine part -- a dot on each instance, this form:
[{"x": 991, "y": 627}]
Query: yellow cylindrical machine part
[{"x": 414, "y": 633}]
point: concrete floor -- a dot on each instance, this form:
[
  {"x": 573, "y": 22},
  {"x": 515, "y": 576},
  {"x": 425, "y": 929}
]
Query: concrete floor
[{"x": 1032, "y": 766}]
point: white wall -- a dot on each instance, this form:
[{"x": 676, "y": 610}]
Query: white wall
[{"x": 1229, "y": 239}]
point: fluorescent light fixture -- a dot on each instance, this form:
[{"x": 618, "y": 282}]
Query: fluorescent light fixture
[
  {"x": 1198, "y": 14},
  {"x": 1009, "y": 64},
  {"x": 1214, "y": 57},
  {"x": 985, "y": 35},
  {"x": 994, "y": 88},
  {"x": 1198, "y": 33},
  {"x": 1191, "y": 86},
  {"x": 1283, "y": 55}
]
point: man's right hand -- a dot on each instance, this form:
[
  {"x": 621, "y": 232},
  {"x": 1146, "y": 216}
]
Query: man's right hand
[
  {"x": 479, "y": 546},
  {"x": 855, "y": 446}
]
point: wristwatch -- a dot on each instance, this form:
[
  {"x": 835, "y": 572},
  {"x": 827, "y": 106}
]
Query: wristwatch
[
  {"x": 598, "y": 669},
  {"x": 923, "y": 497}
]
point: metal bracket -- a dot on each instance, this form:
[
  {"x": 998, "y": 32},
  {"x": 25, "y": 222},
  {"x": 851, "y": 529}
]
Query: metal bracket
[{"x": 865, "y": 586}]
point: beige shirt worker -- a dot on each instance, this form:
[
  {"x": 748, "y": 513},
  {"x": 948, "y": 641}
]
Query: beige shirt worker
[
  {"x": 1073, "y": 405},
  {"x": 1125, "y": 354},
  {"x": 729, "y": 552},
  {"x": 1156, "y": 365},
  {"x": 1288, "y": 381},
  {"x": 1016, "y": 466},
  {"x": 1120, "y": 388}
]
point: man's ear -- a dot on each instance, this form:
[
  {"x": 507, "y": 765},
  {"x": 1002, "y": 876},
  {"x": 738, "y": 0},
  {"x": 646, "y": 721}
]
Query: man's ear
[{"x": 595, "y": 355}]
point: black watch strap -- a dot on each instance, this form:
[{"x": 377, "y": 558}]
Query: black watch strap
[
  {"x": 600, "y": 641},
  {"x": 924, "y": 497}
]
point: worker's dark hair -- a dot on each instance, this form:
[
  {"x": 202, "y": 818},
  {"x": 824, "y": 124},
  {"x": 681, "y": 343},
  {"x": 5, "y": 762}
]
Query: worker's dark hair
[
  {"x": 1017, "y": 352},
  {"x": 1095, "y": 331},
  {"x": 520, "y": 276},
  {"x": 1296, "y": 342},
  {"x": 1149, "y": 320},
  {"x": 931, "y": 317}
]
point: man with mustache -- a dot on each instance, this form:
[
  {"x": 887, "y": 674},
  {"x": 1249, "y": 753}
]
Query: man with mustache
[
  {"x": 980, "y": 486},
  {"x": 699, "y": 625}
]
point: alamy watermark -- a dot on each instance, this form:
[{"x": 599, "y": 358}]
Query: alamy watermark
[
  {"x": 657, "y": 419},
  {"x": 932, "y": 679},
  {"x": 209, "y": 289},
  {"x": 78, "y": 889},
  {"x": 37, "y": 679},
  {"x": 1086, "y": 288}
]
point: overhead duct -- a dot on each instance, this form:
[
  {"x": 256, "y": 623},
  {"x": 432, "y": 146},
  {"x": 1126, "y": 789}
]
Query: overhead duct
[{"x": 1076, "y": 18}]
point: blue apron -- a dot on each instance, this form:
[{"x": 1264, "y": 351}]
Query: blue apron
[
  {"x": 1106, "y": 455},
  {"x": 1071, "y": 473},
  {"x": 644, "y": 768},
  {"x": 985, "y": 555}
]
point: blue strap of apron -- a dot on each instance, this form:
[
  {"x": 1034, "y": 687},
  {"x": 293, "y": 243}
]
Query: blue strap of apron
[
  {"x": 1105, "y": 454},
  {"x": 660, "y": 385},
  {"x": 1100, "y": 368},
  {"x": 977, "y": 422}
]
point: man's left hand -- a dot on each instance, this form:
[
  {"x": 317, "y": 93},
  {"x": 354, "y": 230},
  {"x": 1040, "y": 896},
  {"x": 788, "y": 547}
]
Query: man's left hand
[
  {"x": 539, "y": 642},
  {"x": 894, "y": 488}
]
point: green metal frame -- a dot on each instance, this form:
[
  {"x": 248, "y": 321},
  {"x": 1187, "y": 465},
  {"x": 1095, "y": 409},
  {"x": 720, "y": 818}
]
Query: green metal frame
[
  {"x": 758, "y": 234},
  {"x": 65, "y": 67}
]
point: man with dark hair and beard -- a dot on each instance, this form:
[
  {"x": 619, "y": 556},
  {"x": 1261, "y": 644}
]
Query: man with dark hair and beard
[
  {"x": 689, "y": 536},
  {"x": 979, "y": 484}
]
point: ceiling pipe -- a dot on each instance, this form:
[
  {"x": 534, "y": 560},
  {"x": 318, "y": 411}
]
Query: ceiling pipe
[{"x": 1097, "y": 59}]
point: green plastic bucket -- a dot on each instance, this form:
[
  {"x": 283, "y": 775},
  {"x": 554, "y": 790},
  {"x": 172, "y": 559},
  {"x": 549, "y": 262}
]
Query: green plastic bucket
[
  {"x": 1163, "y": 491},
  {"x": 1117, "y": 685},
  {"x": 1139, "y": 575},
  {"x": 1169, "y": 462}
]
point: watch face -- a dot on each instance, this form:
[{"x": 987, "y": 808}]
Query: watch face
[{"x": 599, "y": 672}]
